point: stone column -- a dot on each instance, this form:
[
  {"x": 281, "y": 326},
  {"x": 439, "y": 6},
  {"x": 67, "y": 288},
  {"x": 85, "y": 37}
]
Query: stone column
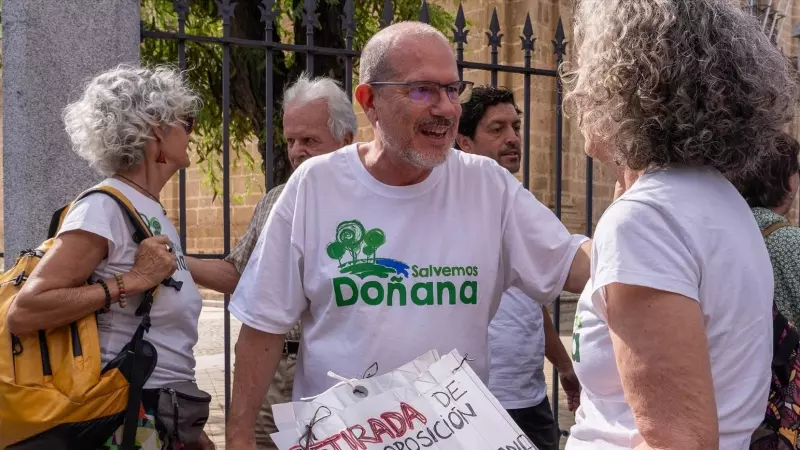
[{"x": 50, "y": 49}]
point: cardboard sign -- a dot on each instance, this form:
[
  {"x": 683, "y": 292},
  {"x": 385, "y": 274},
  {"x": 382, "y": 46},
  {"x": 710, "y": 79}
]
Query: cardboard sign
[{"x": 446, "y": 407}]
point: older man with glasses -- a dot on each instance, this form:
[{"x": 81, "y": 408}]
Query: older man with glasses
[{"x": 390, "y": 248}]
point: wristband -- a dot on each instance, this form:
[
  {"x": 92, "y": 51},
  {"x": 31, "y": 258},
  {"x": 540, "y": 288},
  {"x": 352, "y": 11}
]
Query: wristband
[
  {"x": 123, "y": 296},
  {"x": 107, "y": 306}
]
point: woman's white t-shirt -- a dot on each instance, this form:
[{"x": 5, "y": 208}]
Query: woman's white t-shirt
[
  {"x": 687, "y": 231},
  {"x": 174, "y": 314}
]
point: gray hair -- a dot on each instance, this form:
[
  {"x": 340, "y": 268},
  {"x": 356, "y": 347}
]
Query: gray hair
[
  {"x": 110, "y": 124},
  {"x": 679, "y": 82},
  {"x": 374, "y": 64},
  {"x": 342, "y": 117}
]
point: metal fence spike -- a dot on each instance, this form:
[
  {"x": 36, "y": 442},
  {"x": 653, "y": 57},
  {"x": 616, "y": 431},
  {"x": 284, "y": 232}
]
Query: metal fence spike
[
  {"x": 459, "y": 32},
  {"x": 310, "y": 16},
  {"x": 268, "y": 13},
  {"x": 387, "y": 15},
  {"x": 181, "y": 7},
  {"x": 495, "y": 38},
  {"x": 226, "y": 10},
  {"x": 559, "y": 43},
  {"x": 423, "y": 12},
  {"x": 527, "y": 34},
  {"x": 349, "y": 18}
]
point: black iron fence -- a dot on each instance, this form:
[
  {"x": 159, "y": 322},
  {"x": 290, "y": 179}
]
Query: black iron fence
[{"x": 272, "y": 49}]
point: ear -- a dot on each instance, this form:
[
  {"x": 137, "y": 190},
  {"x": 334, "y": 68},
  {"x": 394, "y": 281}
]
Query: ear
[
  {"x": 348, "y": 138},
  {"x": 159, "y": 133},
  {"x": 366, "y": 98},
  {"x": 465, "y": 143}
]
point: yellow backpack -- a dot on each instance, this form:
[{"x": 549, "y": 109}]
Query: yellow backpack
[{"x": 53, "y": 391}]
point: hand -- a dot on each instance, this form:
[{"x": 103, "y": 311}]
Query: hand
[
  {"x": 619, "y": 189},
  {"x": 572, "y": 387},
  {"x": 155, "y": 262}
]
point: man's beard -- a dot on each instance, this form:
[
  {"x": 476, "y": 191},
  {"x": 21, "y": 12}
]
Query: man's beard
[
  {"x": 418, "y": 159},
  {"x": 424, "y": 160}
]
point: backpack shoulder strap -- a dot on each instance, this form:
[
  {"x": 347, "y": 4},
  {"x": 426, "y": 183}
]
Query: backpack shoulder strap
[
  {"x": 142, "y": 230},
  {"x": 767, "y": 231}
]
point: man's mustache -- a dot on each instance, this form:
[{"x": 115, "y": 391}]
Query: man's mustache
[
  {"x": 437, "y": 122},
  {"x": 513, "y": 148}
]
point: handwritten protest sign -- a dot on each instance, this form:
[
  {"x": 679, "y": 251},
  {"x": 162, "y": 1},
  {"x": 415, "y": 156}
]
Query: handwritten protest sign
[
  {"x": 347, "y": 393},
  {"x": 446, "y": 407}
]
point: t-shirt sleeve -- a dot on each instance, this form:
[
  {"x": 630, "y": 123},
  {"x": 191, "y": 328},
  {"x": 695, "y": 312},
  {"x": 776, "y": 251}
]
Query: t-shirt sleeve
[
  {"x": 538, "y": 249},
  {"x": 100, "y": 215},
  {"x": 269, "y": 296},
  {"x": 636, "y": 244}
]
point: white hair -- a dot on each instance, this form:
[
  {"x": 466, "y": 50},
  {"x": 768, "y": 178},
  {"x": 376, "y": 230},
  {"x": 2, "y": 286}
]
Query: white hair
[
  {"x": 110, "y": 124},
  {"x": 342, "y": 117}
]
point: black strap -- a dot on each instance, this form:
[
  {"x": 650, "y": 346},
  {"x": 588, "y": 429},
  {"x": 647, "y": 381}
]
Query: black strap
[
  {"x": 55, "y": 221},
  {"x": 140, "y": 233},
  {"x": 136, "y": 386}
]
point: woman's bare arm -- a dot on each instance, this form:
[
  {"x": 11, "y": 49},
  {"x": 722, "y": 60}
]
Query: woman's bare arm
[
  {"x": 56, "y": 292},
  {"x": 662, "y": 355}
]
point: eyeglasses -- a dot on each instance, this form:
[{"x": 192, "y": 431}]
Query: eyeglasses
[
  {"x": 428, "y": 92},
  {"x": 189, "y": 124}
]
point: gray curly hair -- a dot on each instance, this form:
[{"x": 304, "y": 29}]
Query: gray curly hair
[
  {"x": 690, "y": 82},
  {"x": 110, "y": 124}
]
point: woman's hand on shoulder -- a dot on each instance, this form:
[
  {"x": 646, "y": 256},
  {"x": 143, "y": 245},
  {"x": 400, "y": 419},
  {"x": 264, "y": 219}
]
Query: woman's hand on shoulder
[{"x": 155, "y": 262}]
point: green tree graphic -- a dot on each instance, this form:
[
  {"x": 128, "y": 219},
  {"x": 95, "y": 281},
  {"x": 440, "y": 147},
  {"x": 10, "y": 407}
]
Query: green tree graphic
[
  {"x": 352, "y": 238},
  {"x": 336, "y": 250},
  {"x": 373, "y": 239},
  {"x": 350, "y": 235}
]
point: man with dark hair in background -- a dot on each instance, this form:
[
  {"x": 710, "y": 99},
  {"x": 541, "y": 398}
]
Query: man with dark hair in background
[{"x": 521, "y": 333}]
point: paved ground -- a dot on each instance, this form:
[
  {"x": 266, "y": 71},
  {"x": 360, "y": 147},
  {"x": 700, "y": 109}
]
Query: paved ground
[{"x": 211, "y": 369}]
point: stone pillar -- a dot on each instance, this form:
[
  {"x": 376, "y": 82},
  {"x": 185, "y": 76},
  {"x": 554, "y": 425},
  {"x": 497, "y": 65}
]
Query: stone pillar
[{"x": 50, "y": 49}]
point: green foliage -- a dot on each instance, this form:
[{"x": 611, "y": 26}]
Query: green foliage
[
  {"x": 247, "y": 69},
  {"x": 204, "y": 73}
]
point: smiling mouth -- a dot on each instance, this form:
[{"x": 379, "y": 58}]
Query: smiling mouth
[{"x": 436, "y": 132}]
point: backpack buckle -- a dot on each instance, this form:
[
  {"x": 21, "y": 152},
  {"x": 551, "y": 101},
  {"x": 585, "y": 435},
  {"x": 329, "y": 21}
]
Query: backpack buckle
[{"x": 19, "y": 278}]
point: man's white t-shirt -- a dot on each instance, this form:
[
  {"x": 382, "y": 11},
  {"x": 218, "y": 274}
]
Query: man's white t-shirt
[
  {"x": 174, "y": 314},
  {"x": 687, "y": 231},
  {"x": 516, "y": 344},
  {"x": 383, "y": 274}
]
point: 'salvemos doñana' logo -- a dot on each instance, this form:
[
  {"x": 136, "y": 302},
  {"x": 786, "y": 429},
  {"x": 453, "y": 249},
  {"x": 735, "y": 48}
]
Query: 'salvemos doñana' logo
[{"x": 356, "y": 249}]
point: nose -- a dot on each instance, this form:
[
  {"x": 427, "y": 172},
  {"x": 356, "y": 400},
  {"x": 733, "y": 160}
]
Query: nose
[
  {"x": 444, "y": 107},
  {"x": 295, "y": 150},
  {"x": 512, "y": 137}
]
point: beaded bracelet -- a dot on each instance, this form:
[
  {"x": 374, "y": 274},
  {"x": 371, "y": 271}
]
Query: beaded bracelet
[
  {"x": 107, "y": 306},
  {"x": 123, "y": 297}
]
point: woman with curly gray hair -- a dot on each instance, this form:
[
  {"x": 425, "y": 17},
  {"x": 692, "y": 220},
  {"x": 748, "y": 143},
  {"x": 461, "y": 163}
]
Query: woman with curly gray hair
[
  {"x": 132, "y": 125},
  {"x": 672, "y": 337}
]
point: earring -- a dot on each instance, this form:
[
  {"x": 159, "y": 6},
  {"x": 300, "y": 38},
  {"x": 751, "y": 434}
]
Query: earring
[{"x": 160, "y": 158}]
